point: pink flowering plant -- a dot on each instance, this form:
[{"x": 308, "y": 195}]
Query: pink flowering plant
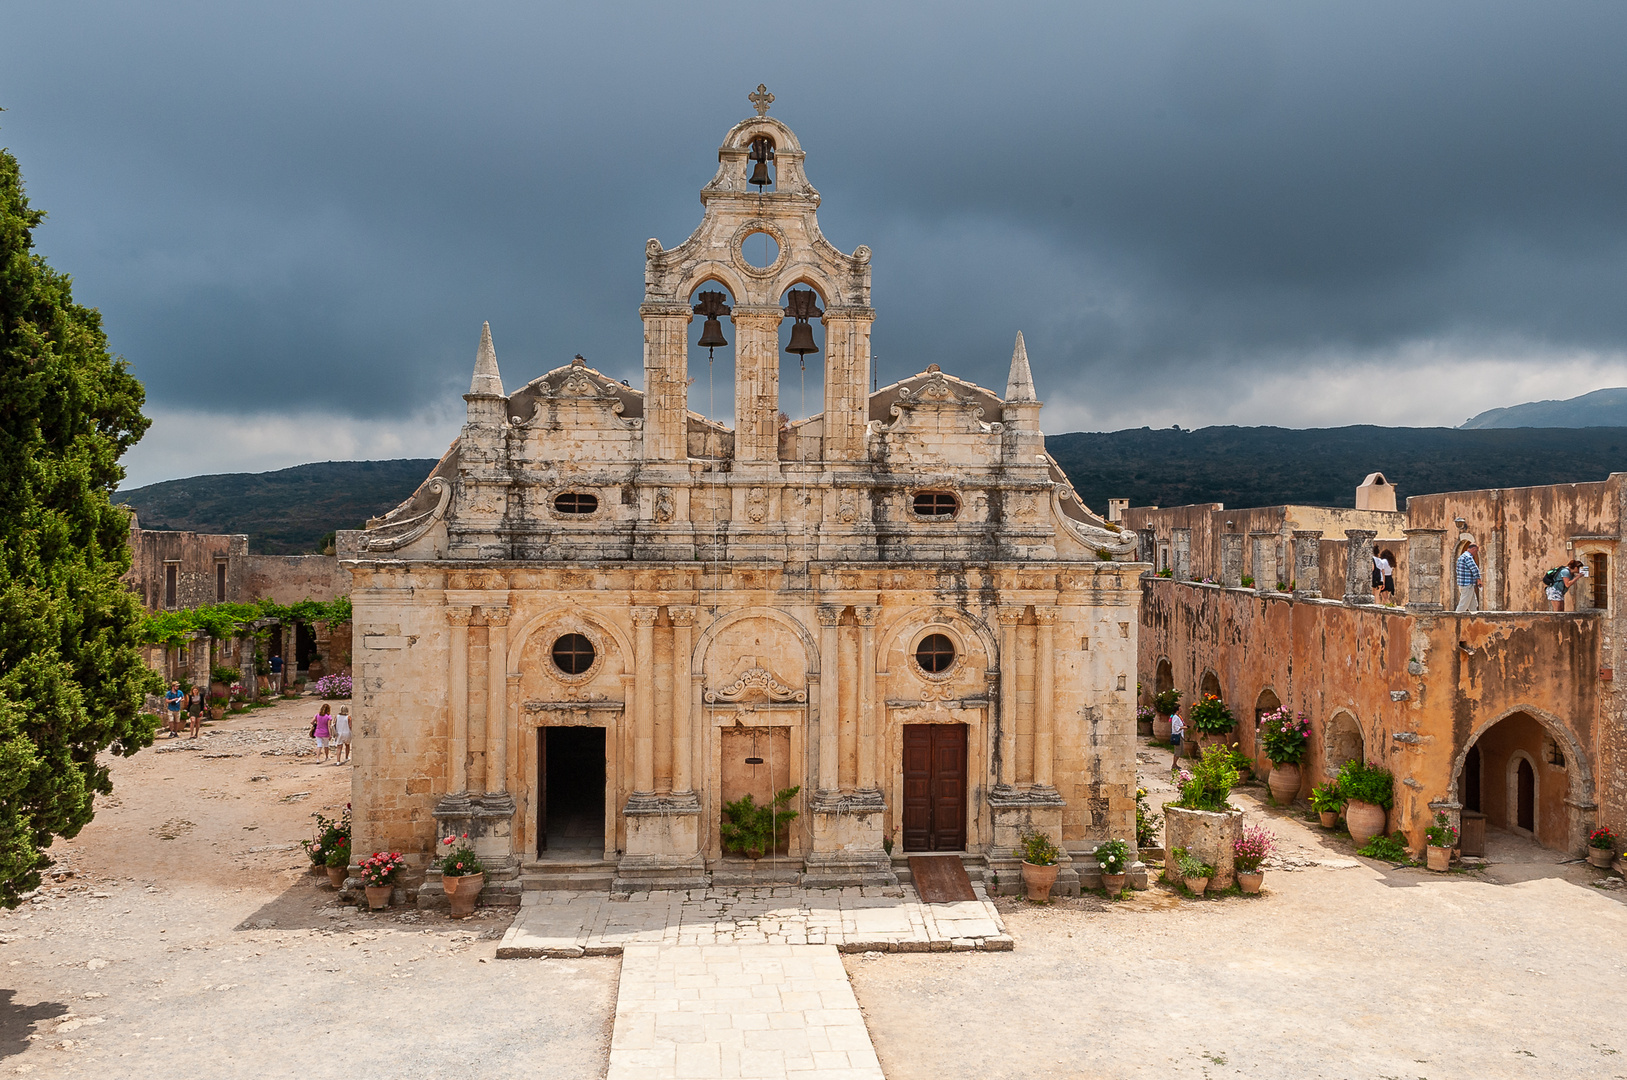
[
  {"x": 459, "y": 859},
  {"x": 1209, "y": 782},
  {"x": 1285, "y": 736},
  {"x": 1253, "y": 847},
  {"x": 383, "y": 868},
  {"x": 332, "y": 686},
  {"x": 1441, "y": 834}
]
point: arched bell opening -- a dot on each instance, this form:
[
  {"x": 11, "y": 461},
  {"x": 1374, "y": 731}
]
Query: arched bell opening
[
  {"x": 802, "y": 352},
  {"x": 761, "y": 171},
  {"x": 711, "y": 368}
]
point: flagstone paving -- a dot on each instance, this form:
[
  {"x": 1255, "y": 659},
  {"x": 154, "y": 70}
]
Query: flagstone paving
[
  {"x": 726, "y": 1011},
  {"x": 566, "y": 924}
]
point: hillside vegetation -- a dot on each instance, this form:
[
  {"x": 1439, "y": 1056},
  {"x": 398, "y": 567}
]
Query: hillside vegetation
[
  {"x": 1264, "y": 466},
  {"x": 286, "y": 512},
  {"x": 1601, "y": 408}
]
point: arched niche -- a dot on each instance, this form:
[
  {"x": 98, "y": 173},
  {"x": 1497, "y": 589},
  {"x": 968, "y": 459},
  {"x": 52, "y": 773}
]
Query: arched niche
[
  {"x": 1210, "y": 684},
  {"x": 1342, "y": 741},
  {"x": 1163, "y": 677}
]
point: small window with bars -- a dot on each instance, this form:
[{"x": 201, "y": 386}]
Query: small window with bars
[
  {"x": 573, "y": 653},
  {"x": 576, "y": 502},
  {"x": 936, "y": 504}
]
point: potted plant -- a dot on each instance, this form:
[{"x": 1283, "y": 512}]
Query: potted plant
[
  {"x": 1144, "y": 720},
  {"x": 1114, "y": 859},
  {"x": 338, "y": 863},
  {"x": 217, "y": 707},
  {"x": 1147, "y": 822},
  {"x": 751, "y": 829},
  {"x": 1249, "y": 850},
  {"x": 462, "y": 875},
  {"x": 1164, "y": 705},
  {"x": 1328, "y": 803},
  {"x": 1203, "y": 821},
  {"x": 1194, "y": 873},
  {"x": 1210, "y": 718},
  {"x": 1285, "y": 737},
  {"x": 1369, "y": 792},
  {"x": 1039, "y": 856},
  {"x": 379, "y": 875},
  {"x": 1601, "y": 847},
  {"x": 331, "y": 833},
  {"x": 1440, "y": 838}
]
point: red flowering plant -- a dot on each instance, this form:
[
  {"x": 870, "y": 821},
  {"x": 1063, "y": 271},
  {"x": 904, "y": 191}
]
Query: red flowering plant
[
  {"x": 1602, "y": 837},
  {"x": 1285, "y": 736},
  {"x": 384, "y": 868},
  {"x": 459, "y": 860}
]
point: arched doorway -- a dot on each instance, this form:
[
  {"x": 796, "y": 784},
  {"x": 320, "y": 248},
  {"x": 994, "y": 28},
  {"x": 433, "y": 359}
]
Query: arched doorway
[{"x": 1529, "y": 776}]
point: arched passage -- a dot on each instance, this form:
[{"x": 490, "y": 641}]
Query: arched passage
[{"x": 1533, "y": 778}]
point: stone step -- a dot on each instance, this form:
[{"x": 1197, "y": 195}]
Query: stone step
[
  {"x": 742, "y": 875},
  {"x": 567, "y": 875}
]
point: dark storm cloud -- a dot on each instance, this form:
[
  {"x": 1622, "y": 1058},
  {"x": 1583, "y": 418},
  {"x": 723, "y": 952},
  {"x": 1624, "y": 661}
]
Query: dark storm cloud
[{"x": 315, "y": 207}]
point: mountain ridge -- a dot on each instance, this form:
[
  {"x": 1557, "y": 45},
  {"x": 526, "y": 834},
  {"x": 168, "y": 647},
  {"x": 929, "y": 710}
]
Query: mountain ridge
[{"x": 1600, "y": 408}]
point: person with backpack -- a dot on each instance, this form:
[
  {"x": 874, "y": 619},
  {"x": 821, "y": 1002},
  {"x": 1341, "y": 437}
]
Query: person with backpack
[{"x": 1560, "y": 580}]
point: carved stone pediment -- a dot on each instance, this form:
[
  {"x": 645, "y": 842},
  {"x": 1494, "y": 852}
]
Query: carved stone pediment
[{"x": 758, "y": 680}]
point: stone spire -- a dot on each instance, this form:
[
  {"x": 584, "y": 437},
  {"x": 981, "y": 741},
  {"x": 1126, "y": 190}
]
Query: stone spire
[
  {"x": 488, "y": 382},
  {"x": 1020, "y": 383}
]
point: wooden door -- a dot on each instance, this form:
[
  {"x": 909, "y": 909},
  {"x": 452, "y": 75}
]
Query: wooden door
[
  {"x": 934, "y": 816},
  {"x": 1526, "y": 797}
]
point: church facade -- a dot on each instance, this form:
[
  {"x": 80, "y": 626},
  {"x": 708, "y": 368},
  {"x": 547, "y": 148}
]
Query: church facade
[{"x": 604, "y": 616}]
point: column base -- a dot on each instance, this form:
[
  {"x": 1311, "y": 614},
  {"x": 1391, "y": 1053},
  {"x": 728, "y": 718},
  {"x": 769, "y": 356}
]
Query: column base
[
  {"x": 1014, "y": 813},
  {"x": 487, "y": 820},
  {"x": 663, "y": 844},
  {"x": 847, "y": 842}
]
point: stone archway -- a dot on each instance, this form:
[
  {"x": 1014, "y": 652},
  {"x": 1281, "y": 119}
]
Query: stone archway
[
  {"x": 1210, "y": 684},
  {"x": 1560, "y": 791}
]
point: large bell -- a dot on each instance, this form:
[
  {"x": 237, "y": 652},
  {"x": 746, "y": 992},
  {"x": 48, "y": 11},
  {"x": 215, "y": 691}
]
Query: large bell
[
  {"x": 762, "y": 152},
  {"x": 712, "y": 334},
  {"x": 802, "y": 341},
  {"x": 759, "y": 175}
]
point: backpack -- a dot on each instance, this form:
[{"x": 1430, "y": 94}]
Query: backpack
[{"x": 1551, "y": 578}]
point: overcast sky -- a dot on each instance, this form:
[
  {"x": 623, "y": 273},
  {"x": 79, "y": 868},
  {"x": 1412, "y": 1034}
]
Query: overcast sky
[{"x": 295, "y": 217}]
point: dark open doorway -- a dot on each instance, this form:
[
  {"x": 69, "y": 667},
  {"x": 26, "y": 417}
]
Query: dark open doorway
[
  {"x": 570, "y": 811},
  {"x": 1471, "y": 779},
  {"x": 1525, "y": 812}
]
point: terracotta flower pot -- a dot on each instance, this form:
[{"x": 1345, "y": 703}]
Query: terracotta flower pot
[
  {"x": 1600, "y": 857},
  {"x": 1330, "y": 818},
  {"x": 1284, "y": 783},
  {"x": 464, "y": 892},
  {"x": 1438, "y": 858},
  {"x": 378, "y": 897},
  {"x": 336, "y": 876},
  {"x": 217, "y": 712},
  {"x": 1250, "y": 883},
  {"x": 1364, "y": 819},
  {"x": 1199, "y": 885},
  {"x": 1143, "y": 727},
  {"x": 1160, "y": 729},
  {"x": 1038, "y": 881},
  {"x": 1114, "y": 884}
]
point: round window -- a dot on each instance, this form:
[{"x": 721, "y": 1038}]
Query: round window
[
  {"x": 936, "y": 504},
  {"x": 573, "y": 654},
  {"x": 576, "y": 502},
  {"x": 935, "y": 653}
]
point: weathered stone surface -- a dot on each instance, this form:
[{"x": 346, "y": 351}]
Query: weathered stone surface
[{"x": 1207, "y": 837}]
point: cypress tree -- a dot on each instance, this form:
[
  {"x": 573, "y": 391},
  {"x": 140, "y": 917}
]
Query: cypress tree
[{"x": 71, "y": 678}]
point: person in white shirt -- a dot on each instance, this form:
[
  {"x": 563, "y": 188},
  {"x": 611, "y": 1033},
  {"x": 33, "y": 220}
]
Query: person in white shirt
[
  {"x": 1383, "y": 578},
  {"x": 341, "y": 733},
  {"x": 1176, "y": 726}
]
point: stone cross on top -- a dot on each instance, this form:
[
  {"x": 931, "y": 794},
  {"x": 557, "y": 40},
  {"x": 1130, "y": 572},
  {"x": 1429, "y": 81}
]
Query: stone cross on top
[{"x": 761, "y": 100}]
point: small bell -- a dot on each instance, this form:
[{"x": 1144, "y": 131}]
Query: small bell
[
  {"x": 762, "y": 152},
  {"x": 802, "y": 341},
  {"x": 712, "y": 334},
  {"x": 803, "y": 305},
  {"x": 711, "y": 306}
]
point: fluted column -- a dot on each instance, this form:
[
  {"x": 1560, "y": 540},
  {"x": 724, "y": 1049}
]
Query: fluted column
[
  {"x": 457, "y": 689},
  {"x": 1009, "y": 618},
  {"x": 867, "y": 696},
  {"x": 496, "y": 699},
  {"x": 683, "y": 644},
  {"x": 1045, "y": 697},
  {"x": 644, "y": 701},
  {"x": 829, "y": 701}
]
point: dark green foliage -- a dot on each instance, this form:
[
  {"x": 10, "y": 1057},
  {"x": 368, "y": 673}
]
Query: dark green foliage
[
  {"x": 751, "y": 829},
  {"x": 1386, "y": 849},
  {"x": 287, "y": 512},
  {"x": 1366, "y": 783},
  {"x": 1266, "y": 466},
  {"x": 71, "y": 678}
]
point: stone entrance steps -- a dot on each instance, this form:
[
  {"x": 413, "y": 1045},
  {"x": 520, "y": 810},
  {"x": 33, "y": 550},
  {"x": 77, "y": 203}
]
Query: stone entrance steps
[{"x": 567, "y": 875}]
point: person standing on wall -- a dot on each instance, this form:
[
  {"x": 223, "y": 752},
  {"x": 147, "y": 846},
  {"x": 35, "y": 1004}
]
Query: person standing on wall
[
  {"x": 1562, "y": 580},
  {"x": 1383, "y": 577},
  {"x": 1468, "y": 575}
]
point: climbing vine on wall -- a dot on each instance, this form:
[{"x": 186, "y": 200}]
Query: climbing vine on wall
[{"x": 237, "y": 620}]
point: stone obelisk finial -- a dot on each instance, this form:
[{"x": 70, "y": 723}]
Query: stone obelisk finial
[
  {"x": 488, "y": 382},
  {"x": 1020, "y": 383}
]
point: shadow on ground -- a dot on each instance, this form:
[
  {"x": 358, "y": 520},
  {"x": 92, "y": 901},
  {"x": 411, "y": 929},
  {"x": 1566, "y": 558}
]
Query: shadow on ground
[{"x": 17, "y": 1021}]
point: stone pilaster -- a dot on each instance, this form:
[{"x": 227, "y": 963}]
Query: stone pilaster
[
  {"x": 1006, "y": 771},
  {"x": 1147, "y": 545},
  {"x": 1044, "y": 700},
  {"x": 666, "y": 379},
  {"x": 1426, "y": 570},
  {"x": 829, "y": 698},
  {"x": 496, "y": 699},
  {"x": 1231, "y": 560},
  {"x": 868, "y": 728},
  {"x": 644, "y": 700},
  {"x": 1180, "y": 553},
  {"x": 1359, "y": 566},
  {"x": 847, "y": 381},
  {"x": 757, "y": 385},
  {"x": 1264, "y": 553},
  {"x": 1307, "y": 562},
  {"x": 683, "y": 738},
  {"x": 457, "y": 700}
]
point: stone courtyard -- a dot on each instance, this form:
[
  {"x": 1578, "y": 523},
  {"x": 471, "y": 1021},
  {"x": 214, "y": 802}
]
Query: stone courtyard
[{"x": 190, "y": 941}]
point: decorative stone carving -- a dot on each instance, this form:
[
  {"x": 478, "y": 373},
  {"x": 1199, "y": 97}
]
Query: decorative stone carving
[
  {"x": 756, "y": 679},
  {"x": 666, "y": 506},
  {"x": 395, "y": 535},
  {"x": 757, "y": 504}
]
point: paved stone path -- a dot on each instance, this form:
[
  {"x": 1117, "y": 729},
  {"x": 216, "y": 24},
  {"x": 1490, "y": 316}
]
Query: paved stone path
[
  {"x": 725, "y": 1011},
  {"x": 565, "y": 924}
]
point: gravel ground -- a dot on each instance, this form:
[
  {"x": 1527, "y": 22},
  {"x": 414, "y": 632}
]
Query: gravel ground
[
  {"x": 1360, "y": 971},
  {"x": 182, "y": 936}
]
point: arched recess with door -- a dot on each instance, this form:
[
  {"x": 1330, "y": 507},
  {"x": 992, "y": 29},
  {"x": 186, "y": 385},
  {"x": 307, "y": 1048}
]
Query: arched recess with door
[{"x": 1534, "y": 779}]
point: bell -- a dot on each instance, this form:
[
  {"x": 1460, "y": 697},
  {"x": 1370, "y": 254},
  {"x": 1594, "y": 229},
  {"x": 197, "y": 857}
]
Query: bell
[
  {"x": 712, "y": 334},
  {"x": 759, "y": 175},
  {"x": 802, "y": 341},
  {"x": 762, "y": 152}
]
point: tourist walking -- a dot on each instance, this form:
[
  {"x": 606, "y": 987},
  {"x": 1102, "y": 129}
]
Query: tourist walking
[
  {"x": 1176, "y": 726},
  {"x": 322, "y": 730},
  {"x": 1468, "y": 575},
  {"x": 196, "y": 703},
  {"x": 341, "y": 736},
  {"x": 1383, "y": 577},
  {"x": 1562, "y": 580},
  {"x": 276, "y": 674},
  {"x": 173, "y": 700}
]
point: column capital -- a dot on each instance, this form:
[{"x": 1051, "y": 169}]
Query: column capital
[
  {"x": 458, "y": 617},
  {"x": 496, "y": 616},
  {"x": 660, "y": 309},
  {"x": 1010, "y": 616},
  {"x": 644, "y": 616},
  {"x": 681, "y": 616},
  {"x": 828, "y": 614},
  {"x": 1307, "y": 534},
  {"x": 1045, "y": 616},
  {"x": 867, "y": 614}
]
